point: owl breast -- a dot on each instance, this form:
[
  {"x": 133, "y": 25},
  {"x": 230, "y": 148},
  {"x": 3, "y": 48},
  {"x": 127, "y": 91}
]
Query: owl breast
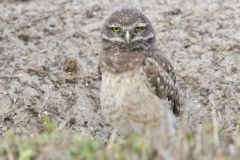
[{"x": 129, "y": 102}]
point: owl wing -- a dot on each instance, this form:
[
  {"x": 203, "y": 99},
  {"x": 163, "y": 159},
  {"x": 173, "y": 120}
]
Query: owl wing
[{"x": 161, "y": 76}]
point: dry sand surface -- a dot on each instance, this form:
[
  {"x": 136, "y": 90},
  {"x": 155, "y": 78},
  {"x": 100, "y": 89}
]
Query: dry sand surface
[{"x": 49, "y": 52}]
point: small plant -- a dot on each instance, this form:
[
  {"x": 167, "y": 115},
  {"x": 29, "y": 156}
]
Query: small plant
[
  {"x": 27, "y": 154},
  {"x": 85, "y": 149},
  {"x": 49, "y": 125},
  {"x": 189, "y": 137}
]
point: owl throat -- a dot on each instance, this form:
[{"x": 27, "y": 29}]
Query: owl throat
[
  {"x": 135, "y": 46},
  {"x": 117, "y": 61}
]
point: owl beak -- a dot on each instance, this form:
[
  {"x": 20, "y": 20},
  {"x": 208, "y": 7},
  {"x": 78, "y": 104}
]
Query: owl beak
[{"x": 127, "y": 37}]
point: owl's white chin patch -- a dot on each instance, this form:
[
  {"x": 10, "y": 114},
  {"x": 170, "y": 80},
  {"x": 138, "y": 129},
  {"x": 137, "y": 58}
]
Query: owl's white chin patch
[
  {"x": 112, "y": 39},
  {"x": 151, "y": 35}
]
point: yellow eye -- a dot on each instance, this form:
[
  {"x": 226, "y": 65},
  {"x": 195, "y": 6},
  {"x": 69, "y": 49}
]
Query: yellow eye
[
  {"x": 116, "y": 29},
  {"x": 138, "y": 29}
]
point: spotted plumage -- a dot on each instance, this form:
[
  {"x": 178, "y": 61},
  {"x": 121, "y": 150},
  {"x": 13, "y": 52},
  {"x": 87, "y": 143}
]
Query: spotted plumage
[{"x": 138, "y": 82}]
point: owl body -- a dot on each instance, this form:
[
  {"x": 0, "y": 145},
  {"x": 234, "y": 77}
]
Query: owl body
[
  {"x": 138, "y": 91},
  {"x": 129, "y": 102}
]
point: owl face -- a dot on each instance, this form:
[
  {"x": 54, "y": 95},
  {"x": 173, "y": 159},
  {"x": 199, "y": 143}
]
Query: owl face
[{"x": 128, "y": 28}]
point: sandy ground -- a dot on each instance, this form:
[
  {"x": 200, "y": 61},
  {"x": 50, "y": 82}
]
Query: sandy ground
[{"x": 48, "y": 47}]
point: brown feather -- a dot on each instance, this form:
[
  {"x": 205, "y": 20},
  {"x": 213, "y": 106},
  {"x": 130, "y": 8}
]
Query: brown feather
[{"x": 162, "y": 77}]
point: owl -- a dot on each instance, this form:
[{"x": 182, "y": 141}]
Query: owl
[{"x": 138, "y": 91}]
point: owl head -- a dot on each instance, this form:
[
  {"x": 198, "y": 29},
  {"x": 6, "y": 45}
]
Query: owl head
[{"x": 129, "y": 29}]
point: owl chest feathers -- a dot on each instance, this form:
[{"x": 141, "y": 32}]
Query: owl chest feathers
[{"x": 129, "y": 102}]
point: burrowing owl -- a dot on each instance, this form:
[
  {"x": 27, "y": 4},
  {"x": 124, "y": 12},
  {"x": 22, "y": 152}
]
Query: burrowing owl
[{"x": 138, "y": 89}]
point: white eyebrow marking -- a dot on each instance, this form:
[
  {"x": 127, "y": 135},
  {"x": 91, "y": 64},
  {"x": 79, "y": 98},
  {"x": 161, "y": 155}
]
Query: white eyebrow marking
[
  {"x": 113, "y": 25},
  {"x": 141, "y": 24},
  {"x": 112, "y": 39}
]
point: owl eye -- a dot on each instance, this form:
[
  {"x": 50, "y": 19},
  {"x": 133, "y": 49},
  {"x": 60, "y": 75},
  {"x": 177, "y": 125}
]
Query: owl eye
[
  {"x": 138, "y": 29},
  {"x": 116, "y": 29}
]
